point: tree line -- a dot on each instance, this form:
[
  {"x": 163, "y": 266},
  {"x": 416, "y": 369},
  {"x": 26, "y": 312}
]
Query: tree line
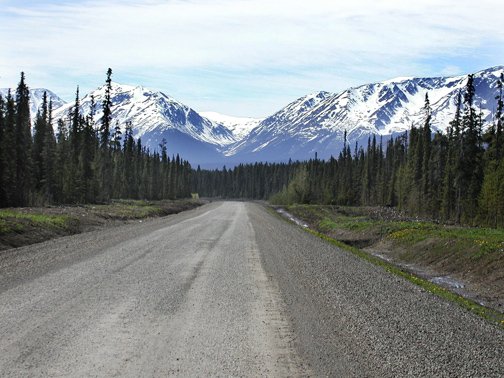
[
  {"x": 457, "y": 176},
  {"x": 84, "y": 161}
]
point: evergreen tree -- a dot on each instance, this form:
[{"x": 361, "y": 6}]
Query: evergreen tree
[
  {"x": 129, "y": 166},
  {"x": 86, "y": 158},
  {"x": 492, "y": 191},
  {"x": 3, "y": 157},
  {"x": 76, "y": 191},
  {"x": 61, "y": 166},
  {"x": 426, "y": 169},
  {"x": 471, "y": 175},
  {"x": 48, "y": 183},
  {"x": 40, "y": 130},
  {"x": 451, "y": 181},
  {"x": 10, "y": 151},
  {"x": 23, "y": 183},
  {"x": 105, "y": 155}
]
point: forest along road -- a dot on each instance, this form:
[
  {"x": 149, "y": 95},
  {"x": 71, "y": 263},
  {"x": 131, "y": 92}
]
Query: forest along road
[{"x": 225, "y": 289}]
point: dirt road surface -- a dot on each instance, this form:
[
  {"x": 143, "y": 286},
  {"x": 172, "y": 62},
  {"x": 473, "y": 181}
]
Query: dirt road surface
[{"x": 227, "y": 289}]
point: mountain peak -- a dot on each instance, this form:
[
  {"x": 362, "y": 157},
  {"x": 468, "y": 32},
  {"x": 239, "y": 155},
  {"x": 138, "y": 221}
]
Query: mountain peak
[
  {"x": 317, "y": 122},
  {"x": 154, "y": 116},
  {"x": 312, "y": 123}
]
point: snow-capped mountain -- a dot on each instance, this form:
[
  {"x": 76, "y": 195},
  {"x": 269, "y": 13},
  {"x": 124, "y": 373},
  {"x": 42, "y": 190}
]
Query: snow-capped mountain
[
  {"x": 36, "y": 96},
  {"x": 155, "y": 116},
  {"x": 312, "y": 124},
  {"x": 239, "y": 126},
  {"x": 317, "y": 122}
]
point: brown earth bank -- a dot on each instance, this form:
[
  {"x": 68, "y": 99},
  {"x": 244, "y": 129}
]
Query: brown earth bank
[
  {"x": 468, "y": 261},
  {"x": 30, "y": 225}
]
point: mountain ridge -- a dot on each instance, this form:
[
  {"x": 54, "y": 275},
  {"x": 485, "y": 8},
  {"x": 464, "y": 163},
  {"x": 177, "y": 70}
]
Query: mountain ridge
[
  {"x": 315, "y": 123},
  {"x": 318, "y": 122}
]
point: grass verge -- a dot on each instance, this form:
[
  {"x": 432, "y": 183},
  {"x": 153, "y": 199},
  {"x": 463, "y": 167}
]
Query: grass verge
[
  {"x": 468, "y": 304},
  {"x": 12, "y": 221},
  {"x": 139, "y": 209},
  {"x": 475, "y": 253},
  {"x": 24, "y": 226}
]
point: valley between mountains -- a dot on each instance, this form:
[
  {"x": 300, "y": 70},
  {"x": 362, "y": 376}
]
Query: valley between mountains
[{"x": 315, "y": 123}]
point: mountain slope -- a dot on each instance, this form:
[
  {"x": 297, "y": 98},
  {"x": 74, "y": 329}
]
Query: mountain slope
[
  {"x": 155, "y": 116},
  {"x": 239, "y": 126},
  {"x": 317, "y": 122},
  {"x": 36, "y": 96},
  {"x": 312, "y": 124}
]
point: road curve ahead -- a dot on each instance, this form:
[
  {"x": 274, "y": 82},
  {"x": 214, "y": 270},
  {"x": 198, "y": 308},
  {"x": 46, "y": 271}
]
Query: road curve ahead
[{"x": 226, "y": 289}]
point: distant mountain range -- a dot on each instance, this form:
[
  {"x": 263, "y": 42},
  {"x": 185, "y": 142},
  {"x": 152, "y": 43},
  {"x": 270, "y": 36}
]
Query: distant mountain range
[
  {"x": 317, "y": 122},
  {"x": 313, "y": 123},
  {"x": 155, "y": 116}
]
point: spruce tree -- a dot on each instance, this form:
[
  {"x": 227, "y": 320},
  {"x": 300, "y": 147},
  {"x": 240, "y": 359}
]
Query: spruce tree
[
  {"x": 39, "y": 138},
  {"x": 470, "y": 165},
  {"x": 105, "y": 162},
  {"x": 165, "y": 168},
  {"x": 130, "y": 171},
  {"x": 61, "y": 167},
  {"x": 3, "y": 157},
  {"x": 49, "y": 160},
  {"x": 451, "y": 182},
  {"x": 10, "y": 151},
  {"x": 23, "y": 145},
  {"x": 490, "y": 204},
  {"x": 76, "y": 191},
  {"x": 86, "y": 158},
  {"x": 426, "y": 145}
]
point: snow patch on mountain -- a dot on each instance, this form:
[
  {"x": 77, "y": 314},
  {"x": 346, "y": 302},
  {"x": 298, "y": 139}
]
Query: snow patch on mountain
[
  {"x": 315, "y": 123},
  {"x": 152, "y": 113},
  {"x": 36, "y": 96},
  {"x": 239, "y": 126},
  {"x": 318, "y": 122}
]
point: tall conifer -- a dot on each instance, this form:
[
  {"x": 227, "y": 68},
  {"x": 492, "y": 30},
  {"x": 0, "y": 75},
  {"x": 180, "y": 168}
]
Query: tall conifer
[{"x": 23, "y": 144}]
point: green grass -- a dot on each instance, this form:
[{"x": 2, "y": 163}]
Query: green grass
[
  {"x": 476, "y": 243},
  {"x": 126, "y": 209},
  {"x": 479, "y": 241},
  {"x": 15, "y": 221},
  {"x": 26, "y": 226}
]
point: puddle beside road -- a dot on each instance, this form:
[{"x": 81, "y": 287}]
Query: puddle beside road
[
  {"x": 291, "y": 217},
  {"x": 447, "y": 281}
]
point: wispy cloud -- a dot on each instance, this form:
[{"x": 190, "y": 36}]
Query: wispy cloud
[{"x": 240, "y": 51}]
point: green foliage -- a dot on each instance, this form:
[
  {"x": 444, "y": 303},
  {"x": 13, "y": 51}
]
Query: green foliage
[
  {"x": 474, "y": 243},
  {"x": 327, "y": 224},
  {"x": 15, "y": 221},
  {"x": 127, "y": 209},
  {"x": 298, "y": 190},
  {"x": 492, "y": 194},
  {"x": 448, "y": 177},
  {"x": 82, "y": 164}
]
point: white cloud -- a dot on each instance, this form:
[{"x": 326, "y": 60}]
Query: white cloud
[
  {"x": 318, "y": 38},
  {"x": 451, "y": 70}
]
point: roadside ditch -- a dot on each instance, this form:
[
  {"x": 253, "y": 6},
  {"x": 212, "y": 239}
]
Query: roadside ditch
[{"x": 468, "y": 263}]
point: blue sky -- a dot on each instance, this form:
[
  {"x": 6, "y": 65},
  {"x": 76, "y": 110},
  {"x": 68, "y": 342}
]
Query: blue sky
[{"x": 243, "y": 57}]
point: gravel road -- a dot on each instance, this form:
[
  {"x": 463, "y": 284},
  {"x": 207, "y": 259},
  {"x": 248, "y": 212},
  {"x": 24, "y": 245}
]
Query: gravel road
[{"x": 227, "y": 289}]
